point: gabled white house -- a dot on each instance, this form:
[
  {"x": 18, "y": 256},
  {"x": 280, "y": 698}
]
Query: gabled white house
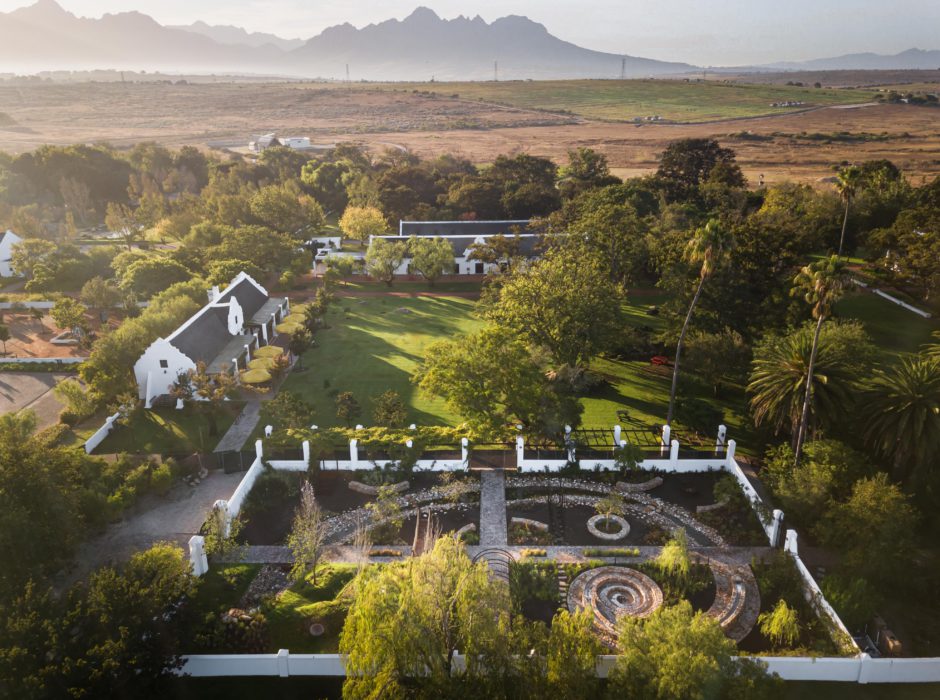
[
  {"x": 463, "y": 234},
  {"x": 221, "y": 334},
  {"x": 7, "y": 240}
]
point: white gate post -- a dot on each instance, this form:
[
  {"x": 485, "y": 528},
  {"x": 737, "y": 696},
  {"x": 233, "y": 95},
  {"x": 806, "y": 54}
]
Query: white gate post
[
  {"x": 667, "y": 433},
  {"x": 520, "y": 450},
  {"x": 197, "y": 555},
  {"x": 305, "y": 446},
  {"x": 465, "y": 452},
  {"x": 674, "y": 453},
  {"x": 354, "y": 453},
  {"x": 722, "y": 434}
]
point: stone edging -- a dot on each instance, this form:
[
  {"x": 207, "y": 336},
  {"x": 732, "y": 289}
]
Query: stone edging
[
  {"x": 534, "y": 524},
  {"x": 369, "y": 490},
  {"x": 611, "y": 536}
]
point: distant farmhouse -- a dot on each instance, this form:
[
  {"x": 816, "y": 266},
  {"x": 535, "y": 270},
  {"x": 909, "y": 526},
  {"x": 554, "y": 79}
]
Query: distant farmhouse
[
  {"x": 222, "y": 334},
  {"x": 298, "y": 143},
  {"x": 7, "y": 240},
  {"x": 463, "y": 234}
]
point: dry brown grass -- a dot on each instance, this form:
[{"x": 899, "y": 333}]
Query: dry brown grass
[{"x": 230, "y": 114}]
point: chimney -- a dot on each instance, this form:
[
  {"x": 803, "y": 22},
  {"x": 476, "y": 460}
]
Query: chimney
[{"x": 214, "y": 293}]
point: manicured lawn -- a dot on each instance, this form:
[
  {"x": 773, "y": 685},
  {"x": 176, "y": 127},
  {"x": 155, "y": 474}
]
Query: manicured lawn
[
  {"x": 892, "y": 328},
  {"x": 164, "y": 431},
  {"x": 223, "y": 586},
  {"x": 375, "y": 343},
  {"x": 447, "y": 284}
]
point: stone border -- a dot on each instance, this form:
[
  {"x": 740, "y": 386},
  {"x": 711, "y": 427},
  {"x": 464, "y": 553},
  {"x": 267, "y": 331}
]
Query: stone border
[
  {"x": 610, "y": 536},
  {"x": 628, "y": 487},
  {"x": 534, "y": 524},
  {"x": 369, "y": 490}
]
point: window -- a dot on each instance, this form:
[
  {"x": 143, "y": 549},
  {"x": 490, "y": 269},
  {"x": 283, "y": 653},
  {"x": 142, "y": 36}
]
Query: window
[{"x": 164, "y": 364}]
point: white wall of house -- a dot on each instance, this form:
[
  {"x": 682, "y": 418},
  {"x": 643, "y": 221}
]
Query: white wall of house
[
  {"x": 6, "y": 253},
  {"x": 158, "y": 369}
]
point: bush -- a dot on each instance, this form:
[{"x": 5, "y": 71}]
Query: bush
[
  {"x": 533, "y": 581},
  {"x": 69, "y": 417},
  {"x": 161, "y": 479},
  {"x": 138, "y": 480}
]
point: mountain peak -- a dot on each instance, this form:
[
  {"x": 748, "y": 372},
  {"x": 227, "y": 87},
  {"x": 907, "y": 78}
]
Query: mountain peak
[
  {"x": 42, "y": 8},
  {"x": 422, "y": 14}
]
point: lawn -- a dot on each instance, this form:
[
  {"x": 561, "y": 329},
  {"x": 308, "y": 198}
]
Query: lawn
[
  {"x": 163, "y": 431},
  {"x": 891, "y": 327},
  {"x": 625, "y": 100},
  {"x": 373, "y": 344}
]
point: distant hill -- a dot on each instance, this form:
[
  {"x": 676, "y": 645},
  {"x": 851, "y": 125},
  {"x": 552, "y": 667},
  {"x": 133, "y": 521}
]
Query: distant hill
[
  {"x": 43, "y": 36},
  {"x": 912, "y": 59},
  {"x": 227, "y": 34},
  {"x": 423, "y": 46}
]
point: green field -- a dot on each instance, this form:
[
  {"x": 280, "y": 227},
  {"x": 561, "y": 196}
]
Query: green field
[
  {"x": 892, "y": 328},
  {"x": 626, "y": 100},
  {"x": 373, "y": 344}
]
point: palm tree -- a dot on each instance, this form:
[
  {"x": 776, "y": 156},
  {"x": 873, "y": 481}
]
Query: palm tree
[
  {"x": 778, "y": 380},
  {"x": 902, "y": 407},
  {"x": 847, "y": 183},
  {"x": 707, "y": 247},
  {"x": 933, "y": 349},
  {"x": 820, "y": 284}
]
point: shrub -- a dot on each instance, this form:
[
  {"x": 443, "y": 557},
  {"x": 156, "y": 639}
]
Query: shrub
[
  {"x": 612, "y": 552},
  {"x": 161, "y": 479},
  {"x": 533, "y": 580},
  {"x": 535, "y": 552},
  {"x": 69, "y": 417}
]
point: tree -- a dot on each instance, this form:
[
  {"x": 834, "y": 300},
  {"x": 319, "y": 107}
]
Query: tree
[
  {"x": 587, "y": 169},
  {"x": 718, "y": 357},
  {"x": 567, "y": 306},
  {"x": 4, "y": 336},
  {"x": 491, "y": 380},
  {"x": 707, "y": 246},
  {"x": 327, "y": 181},
  {"x": 222, "y": 272},
  {"x": 285, "y": 208},
  {"x": 287, "y": 410},
  {"x": 123, "y": 220},
  {"x": 431, "y": 257},
  {"x": 152, "y": 275},
  {"x": 674, "y": 558},
  {"x": 71, "y": 392},
  {"x": 498, "y": 250},
  {"x": 221, "y": 532},
  {"x": 779, "y": 374},
  {"x": 361, "y": 223},
  {"x": 100, "y": 295},
  {"x": 847, "y": 184},
  {"x": 687, "y": 163},
  {"x": 29, "y": 254},
  {"x": 901, "y": 405},
  {"x": 890, "y": 523},
  {"x": 70, "y": 314},
  {"x": 820, "y": 284},
  {"x": 780, "y": 625},
  {"x": 383, "y": 258},
  {"x": 208, "y": 389},
  {"x": 307, "y": 535},
  {"x": 676, "y": 654},
  {"x": 611, "y": 504},
  {"x": 571, "y": 655},
  {"x": 409, "y": 619},
  {"x": 347, "y": 408},
  {"x": 300, "y": 341},
  {"x": 389, "y": 410}
]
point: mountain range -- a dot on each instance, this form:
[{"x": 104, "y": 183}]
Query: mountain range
[{"x": 423, "y": 46}]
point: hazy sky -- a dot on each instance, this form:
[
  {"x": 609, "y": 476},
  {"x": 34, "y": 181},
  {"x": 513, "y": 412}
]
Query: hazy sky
[{"x": 703, "y": 32}]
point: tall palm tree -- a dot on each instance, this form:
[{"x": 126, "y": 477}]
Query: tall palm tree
[
  {"x": 707, "y": 246},
  {"x": 847, "y": 183},
  {"x": 933, "y": 349},
  {"x": 778, "y": 380},
  {"x": 902, "y": 411},
  {"x": 820, "y": 284}
]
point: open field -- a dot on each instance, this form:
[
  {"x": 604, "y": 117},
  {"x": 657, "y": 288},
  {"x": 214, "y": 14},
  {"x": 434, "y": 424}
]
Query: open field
[{"x": 779, "y": 146}]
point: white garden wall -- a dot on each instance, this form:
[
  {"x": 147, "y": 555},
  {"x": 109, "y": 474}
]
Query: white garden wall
[{"x": 99, "y": 435}]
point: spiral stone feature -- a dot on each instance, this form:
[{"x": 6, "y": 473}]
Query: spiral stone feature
[{"x": 613, "y": 591}]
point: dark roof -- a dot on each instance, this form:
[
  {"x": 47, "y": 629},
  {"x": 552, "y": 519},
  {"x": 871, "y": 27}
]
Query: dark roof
[
  {"x": 206, "y": 334},
  {"x": 464, "y": 228}
]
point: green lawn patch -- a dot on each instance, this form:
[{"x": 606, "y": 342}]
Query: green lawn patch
[
  {"x": 223, "y": 586},
  {"x": 164, "y": 431},
  {"x": 291, "y": 614},
  {"x": 892, "y": 328},
  {"x": 375, "y": 343},
  {"x": 364, "y": 284}
]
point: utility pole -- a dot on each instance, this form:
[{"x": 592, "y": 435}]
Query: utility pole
[
  {"x": 623, "y": 68},
  {"x": 495, "y": 71},
  {"x": 347, "y": 74}
]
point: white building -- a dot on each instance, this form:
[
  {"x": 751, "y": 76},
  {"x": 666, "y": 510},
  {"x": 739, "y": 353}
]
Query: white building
[
  {"x": 7, "y": 240},
  {"x": 298, "y": 143},
  {"x": 462, "y": 235},
  {"x": 221, "y": 334}
]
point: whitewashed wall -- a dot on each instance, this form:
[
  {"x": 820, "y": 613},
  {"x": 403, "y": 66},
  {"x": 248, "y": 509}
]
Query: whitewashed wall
[{"x": 99, "y": 435}]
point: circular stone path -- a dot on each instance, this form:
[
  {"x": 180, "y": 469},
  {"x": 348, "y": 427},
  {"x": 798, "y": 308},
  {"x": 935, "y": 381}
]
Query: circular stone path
[{"x": 612, "y": 591}]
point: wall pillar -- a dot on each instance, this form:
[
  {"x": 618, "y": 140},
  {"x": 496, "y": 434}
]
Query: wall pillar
[
  {"x": 720, "y": 441},
  {"x": 222, "y": 507},
  {"x": 305, "y": 446},
  {"x": 730, "y": 454},
  {"x": 197, "y": 555},
  {"x": 776, "y": 528},
  {"x": 264, "y": 332},
  {"x": 283, "y": 660},
  {"x": 790, "y": 544},
  {"x": 520, "y": 450},
  {"x": 247, "y": 353},
  {"x": 354, "y": 452},
  {"x": 268, "y": 429},
  {"x": 259, "y": 452},
  {"x": 674, "y": 453},
  {"x": 465, "y": 452},
  {"x": 617, "y": 430},
  {"x": 667, "y": 434}
]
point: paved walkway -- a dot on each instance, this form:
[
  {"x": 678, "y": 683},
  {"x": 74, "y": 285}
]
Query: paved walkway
[
  {"x": 239, "y": 432},
  {"x": 33, "y": 391},
  {"x": 175, "y": 517},
  {"x": 493, "y": 509}
]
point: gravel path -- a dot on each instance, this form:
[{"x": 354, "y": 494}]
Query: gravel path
[{"x": 493, "y": 532}]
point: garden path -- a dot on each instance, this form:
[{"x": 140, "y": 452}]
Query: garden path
[
  {"x": 493, "y": 530},
  {"x": 235, "y": 437}
]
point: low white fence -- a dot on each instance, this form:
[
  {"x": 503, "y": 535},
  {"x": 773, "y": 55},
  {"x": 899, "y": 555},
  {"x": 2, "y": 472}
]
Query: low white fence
[
  {"x": 858, "y": 669},
  {"x": 99, "y": 435},
  {"x": 902, "y": 304},
  {"x": 42, "y": 360}
]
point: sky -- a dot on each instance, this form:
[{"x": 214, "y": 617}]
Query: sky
[{"x": 702, "y": 32}]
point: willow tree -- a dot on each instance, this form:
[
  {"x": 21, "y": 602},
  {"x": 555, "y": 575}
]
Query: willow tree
[
  {"x": 707, "y": 247},
  {"x": 820, "y": 284}
]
